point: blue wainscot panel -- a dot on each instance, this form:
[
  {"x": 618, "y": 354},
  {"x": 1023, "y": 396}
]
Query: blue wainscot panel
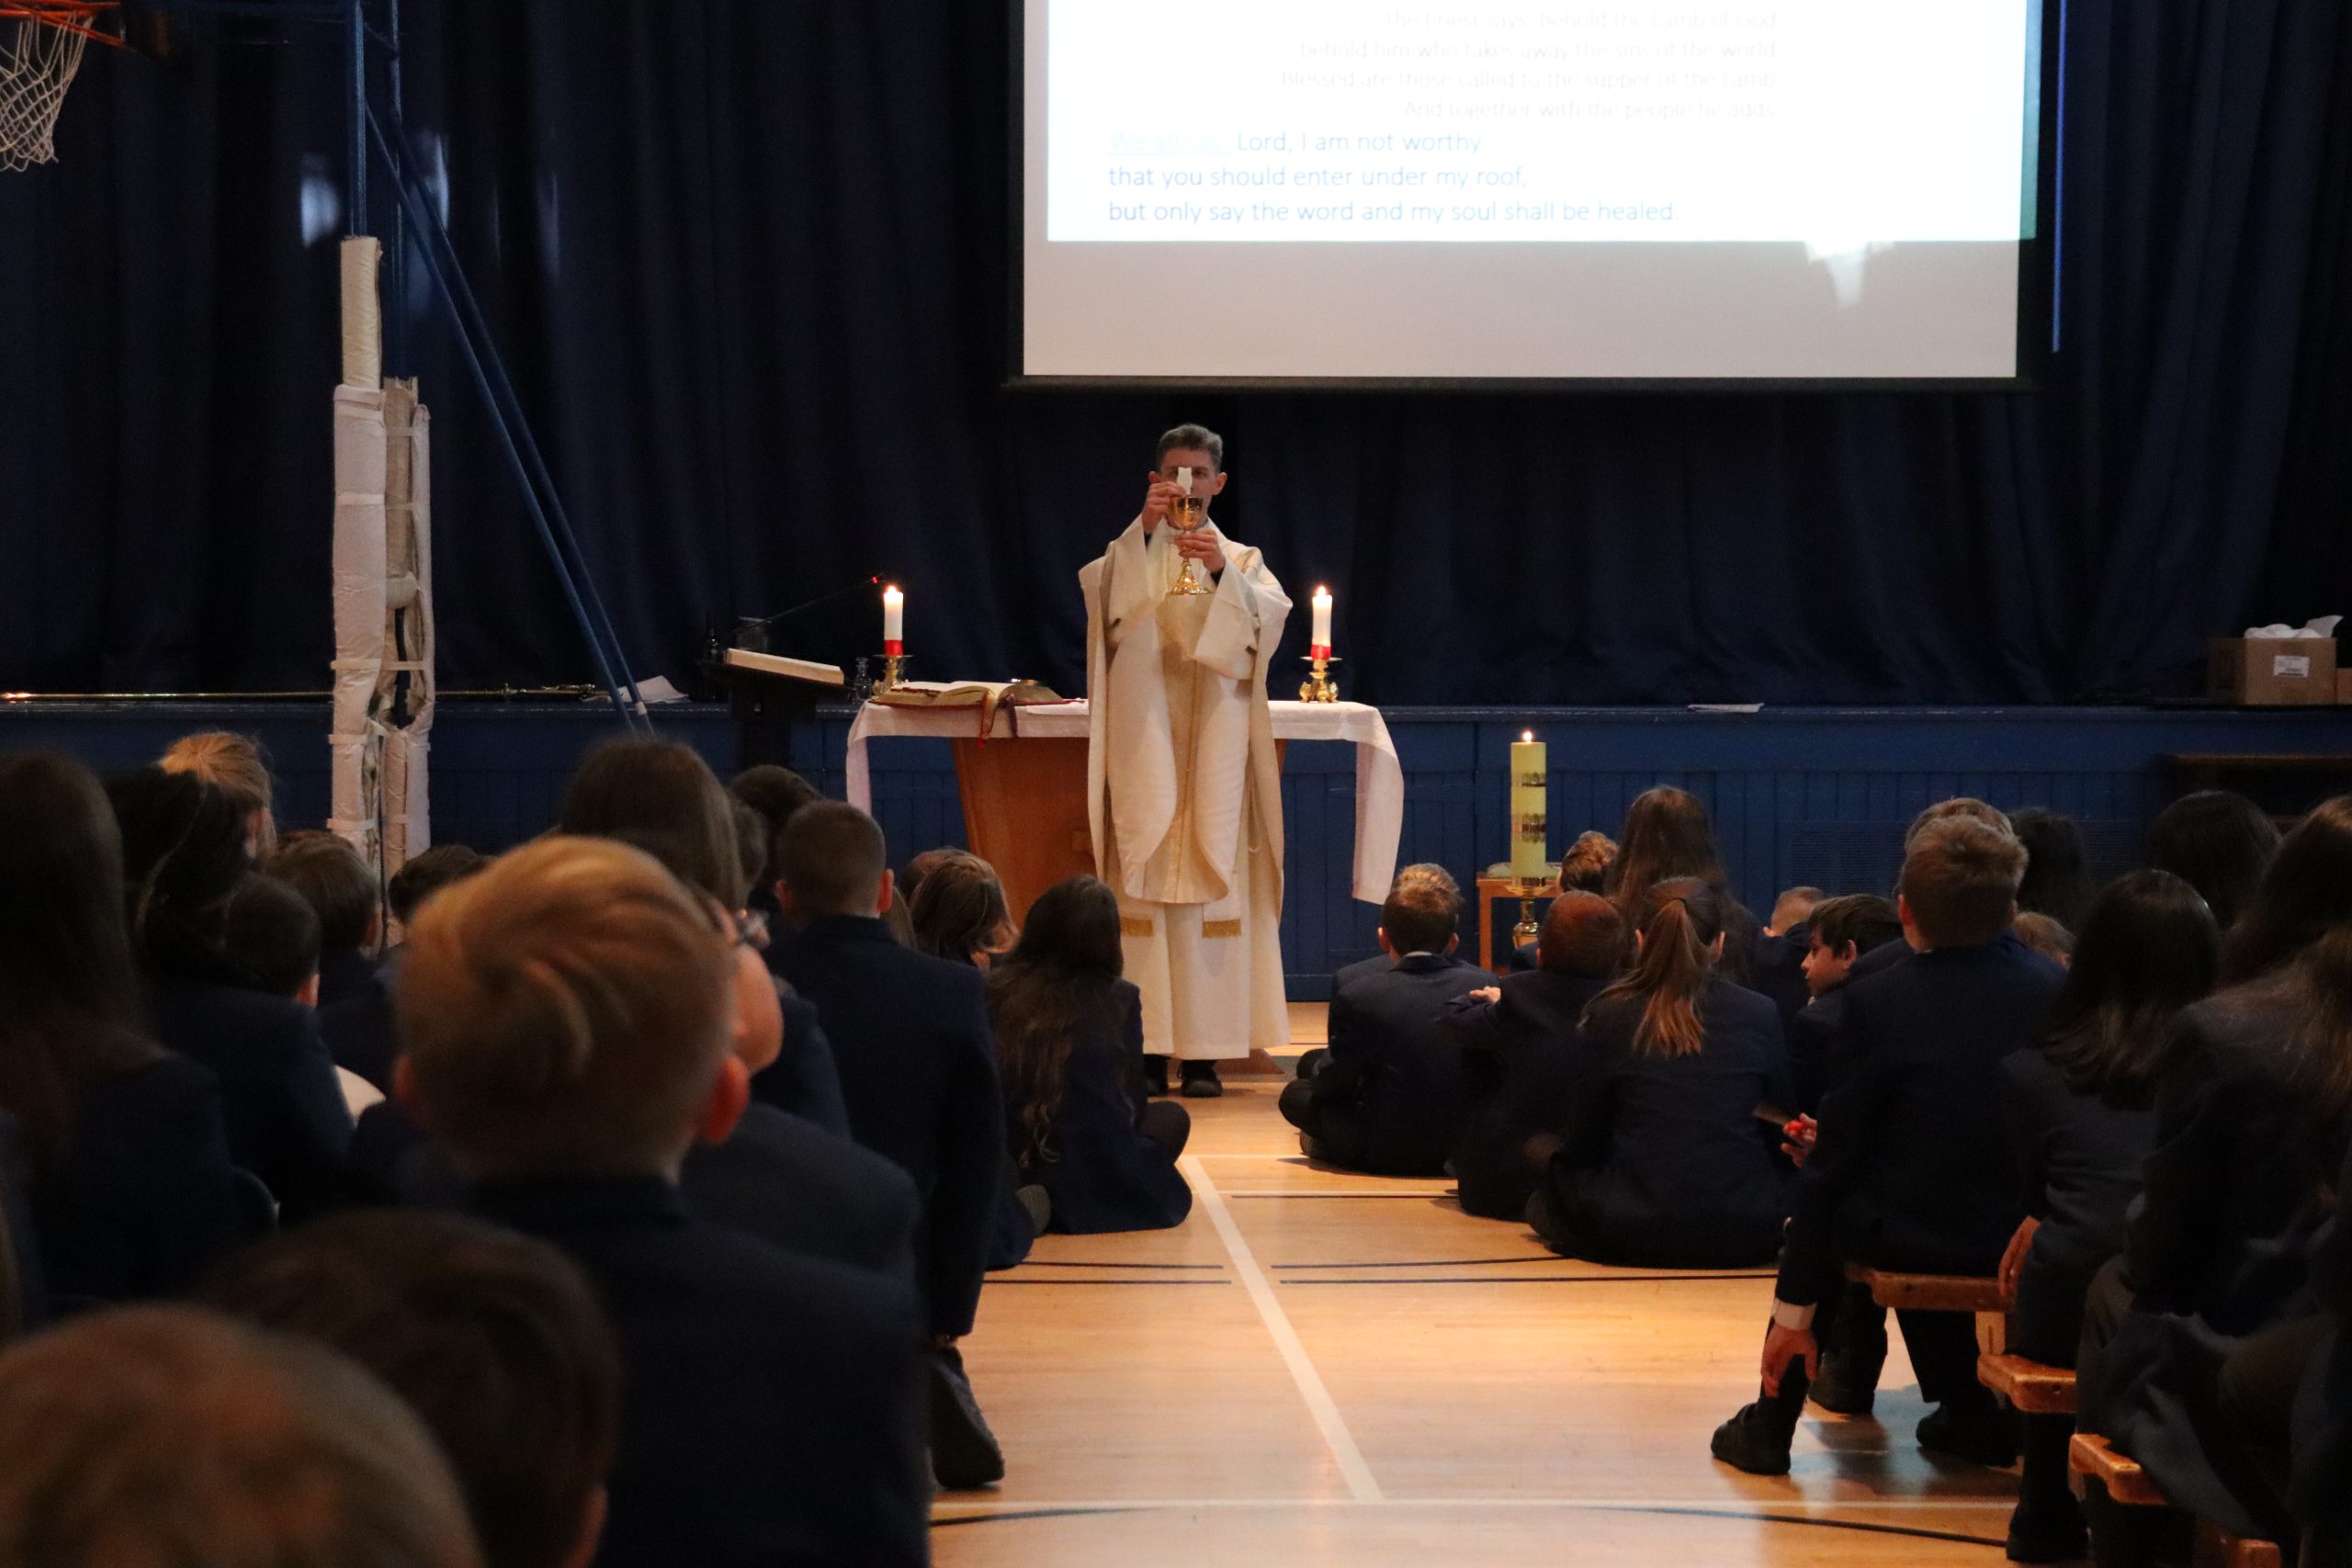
[{"x": 1816, "y": 796}]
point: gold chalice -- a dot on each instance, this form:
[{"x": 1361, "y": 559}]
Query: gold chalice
[{"x": 1188, "y": 511}]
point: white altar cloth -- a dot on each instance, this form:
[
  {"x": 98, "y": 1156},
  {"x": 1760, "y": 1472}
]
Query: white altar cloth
[{"x": 1380, "y": 779}]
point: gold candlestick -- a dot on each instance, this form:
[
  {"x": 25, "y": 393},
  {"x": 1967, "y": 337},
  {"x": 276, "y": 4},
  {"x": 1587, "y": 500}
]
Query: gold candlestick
[
  {"x": 1319, "y": 687},
  {"x": 894, "y": 669}
]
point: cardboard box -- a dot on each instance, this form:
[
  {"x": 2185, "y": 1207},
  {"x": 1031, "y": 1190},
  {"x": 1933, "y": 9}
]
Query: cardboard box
[{"x": 2272, "y": 672}]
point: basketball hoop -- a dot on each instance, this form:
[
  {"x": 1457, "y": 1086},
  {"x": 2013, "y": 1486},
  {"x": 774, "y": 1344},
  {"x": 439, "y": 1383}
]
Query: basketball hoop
[{"x": 40, "y": 47}]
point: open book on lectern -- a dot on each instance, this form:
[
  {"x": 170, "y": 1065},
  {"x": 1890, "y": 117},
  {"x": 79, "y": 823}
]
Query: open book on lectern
[{"x": 789, "y": 669}]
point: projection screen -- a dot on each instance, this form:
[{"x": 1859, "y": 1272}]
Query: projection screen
[{"x": 1528, "y": 191}]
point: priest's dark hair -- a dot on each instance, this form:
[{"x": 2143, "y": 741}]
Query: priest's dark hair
[
  {"x": 832, "y": 858},
  {"x": 1192, "y": 437}
]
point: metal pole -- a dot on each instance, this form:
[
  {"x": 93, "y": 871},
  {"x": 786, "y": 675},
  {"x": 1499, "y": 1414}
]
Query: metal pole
[
  {"x": 356, "y": 132},
  {"x": 420, "y": 214},
  {"x": 396, "y": 359},
  {"x": 449, "y": 273}
]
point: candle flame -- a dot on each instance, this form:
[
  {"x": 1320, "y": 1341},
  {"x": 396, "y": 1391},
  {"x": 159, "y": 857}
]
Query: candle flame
[{"x": 1527, "y": 735}]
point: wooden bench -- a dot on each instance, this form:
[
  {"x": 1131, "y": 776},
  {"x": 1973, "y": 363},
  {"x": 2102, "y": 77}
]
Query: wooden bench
[
  {"x": 2090, "y": 1456},
  {"x": 2031, "y": 1387},
  {"x": 1940, "y": 1292}
]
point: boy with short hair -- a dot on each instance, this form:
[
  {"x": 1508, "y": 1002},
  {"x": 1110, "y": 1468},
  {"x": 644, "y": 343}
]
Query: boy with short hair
[
  {"x": 355, "y": 1010},
  {"x": 918, "y": 1071},
  {"x": 270, "y": 939},
  {"x": 565, "y": 1022},
  {"x": 494, "y": 1339},
  {"x": 1776, "y": 958},
  {"x": 166, "y": 1435},
  {"x": 1391, "y": 1093},
  {"x": 1906, "y": 1173}
]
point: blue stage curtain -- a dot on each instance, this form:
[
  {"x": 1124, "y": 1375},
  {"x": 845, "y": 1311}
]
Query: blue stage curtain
[{"x": 749, "y": 258}]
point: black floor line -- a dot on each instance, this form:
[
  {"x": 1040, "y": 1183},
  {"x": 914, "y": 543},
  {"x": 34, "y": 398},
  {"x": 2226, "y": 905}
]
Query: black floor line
[
  {"x": 1532, "y": 1280},
  {"x": 1060, "y": 1263},
  {"x": 1035, "y": 1279},
  {"x": 1862, "y": 1527},
  {"x": 1541, "y": 1258}
]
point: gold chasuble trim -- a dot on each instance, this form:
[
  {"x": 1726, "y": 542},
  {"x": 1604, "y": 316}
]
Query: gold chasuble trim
[
  {"x": 1135, "y": 925},
  {"x": 1212, "y": 929}
]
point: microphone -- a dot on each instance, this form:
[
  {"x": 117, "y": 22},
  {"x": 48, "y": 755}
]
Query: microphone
[{"x": 752, "y": 631}]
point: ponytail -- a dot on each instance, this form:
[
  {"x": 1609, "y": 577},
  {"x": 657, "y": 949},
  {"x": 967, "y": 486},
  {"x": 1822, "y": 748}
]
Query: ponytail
[{"x": 1682, "y": 921}]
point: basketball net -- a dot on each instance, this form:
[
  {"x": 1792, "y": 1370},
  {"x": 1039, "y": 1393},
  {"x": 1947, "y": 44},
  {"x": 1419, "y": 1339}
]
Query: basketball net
[{"x": 40, "y": 49}]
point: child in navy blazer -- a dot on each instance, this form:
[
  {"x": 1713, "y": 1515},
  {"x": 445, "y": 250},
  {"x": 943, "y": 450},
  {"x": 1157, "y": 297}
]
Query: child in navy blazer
[{"x": 565, "y": 1023}]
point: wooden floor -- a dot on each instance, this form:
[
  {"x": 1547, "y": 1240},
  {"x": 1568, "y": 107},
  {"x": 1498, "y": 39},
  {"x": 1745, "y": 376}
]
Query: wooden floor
[{"x": 1324, "y": 1368}]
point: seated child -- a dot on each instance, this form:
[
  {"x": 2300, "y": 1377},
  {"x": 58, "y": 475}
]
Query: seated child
[
  {"x": 1069, "y": 1048},
  {"x": 1391, "y": 1094},
  {"x": 1904, "y": 1174},
  {"x": 164, "y": 1435},
  {"x": 1840, "y": 932},
  {"x": 565, "y": 1021},
  {"x": 1521, "y": 1044},
  {"x": 355, "y": 1010},
  {"x": 1662, "y": 1162},
  {"x": 1776, "y": 958},
  {"x": 494, "y": 1339}
]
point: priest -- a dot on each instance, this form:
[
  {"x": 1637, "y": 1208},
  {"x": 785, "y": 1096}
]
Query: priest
[{"x": 1183, "y": 788}]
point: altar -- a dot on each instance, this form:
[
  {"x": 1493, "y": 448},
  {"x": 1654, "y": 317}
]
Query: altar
[{"x": 1024, "y": 785}]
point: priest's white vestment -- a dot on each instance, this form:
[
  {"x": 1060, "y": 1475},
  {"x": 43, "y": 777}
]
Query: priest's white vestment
[{"x": 1184, "y": 790}]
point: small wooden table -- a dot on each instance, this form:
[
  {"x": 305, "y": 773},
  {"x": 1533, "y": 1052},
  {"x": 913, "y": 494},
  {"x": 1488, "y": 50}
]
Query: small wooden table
[{"x": 1489, "y": 890}]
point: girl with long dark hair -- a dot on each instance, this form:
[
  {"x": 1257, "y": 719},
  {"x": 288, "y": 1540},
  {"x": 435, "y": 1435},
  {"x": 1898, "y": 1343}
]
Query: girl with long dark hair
[
  {"x": 1663, "y": 1162},
  {"x": 1069, "y": 1052},
  {"x": 2254, "y": 1120},
  {"x": 2305, "y": 889},
  {"x": 1667, "y": 835},
  {"x": 2080, "y": 1112},
  {"x": 2220, "y": 843},
  {"x": 129, "y": 1181}
]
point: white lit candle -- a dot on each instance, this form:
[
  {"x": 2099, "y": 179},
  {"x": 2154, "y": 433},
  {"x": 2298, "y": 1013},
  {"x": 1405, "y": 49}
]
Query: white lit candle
[
  {"x": 894, "y": 620},
  {"x": 1322, "y": 602},
  {"x": 1530, "y": 793}
]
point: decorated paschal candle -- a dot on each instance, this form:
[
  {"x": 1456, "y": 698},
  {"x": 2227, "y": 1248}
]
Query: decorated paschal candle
[{"x": 1530, "y": 828}]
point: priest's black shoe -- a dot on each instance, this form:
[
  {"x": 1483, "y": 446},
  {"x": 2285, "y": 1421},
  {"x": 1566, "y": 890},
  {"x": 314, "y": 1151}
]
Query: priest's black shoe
[
  {"x": 2048, "y": 1529},
  {"x": 1753, "y": 1441},
  {"x": 1201, "y": 1081},
  {"x": 1848, "y": 1384},
  {"x": 1982, "y": 1434}
]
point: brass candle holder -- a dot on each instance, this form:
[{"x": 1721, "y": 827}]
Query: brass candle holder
[
  {"x": 1319, "y": 687},
  {"x": 1528, "y": 929},
  {"x": 894, "y": 671}
]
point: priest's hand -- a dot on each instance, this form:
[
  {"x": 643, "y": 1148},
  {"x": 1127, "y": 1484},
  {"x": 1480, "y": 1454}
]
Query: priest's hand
[
  {"x": 1157, "y": 500},
  {"x": 1198, "y": 546}
]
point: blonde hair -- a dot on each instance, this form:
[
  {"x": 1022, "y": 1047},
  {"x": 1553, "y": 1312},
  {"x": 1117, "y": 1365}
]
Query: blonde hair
[
  {"x": 235, "y": 765},
  {"x": 158, "y": 1436},
  {"x": 565, "y": 1012}
]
